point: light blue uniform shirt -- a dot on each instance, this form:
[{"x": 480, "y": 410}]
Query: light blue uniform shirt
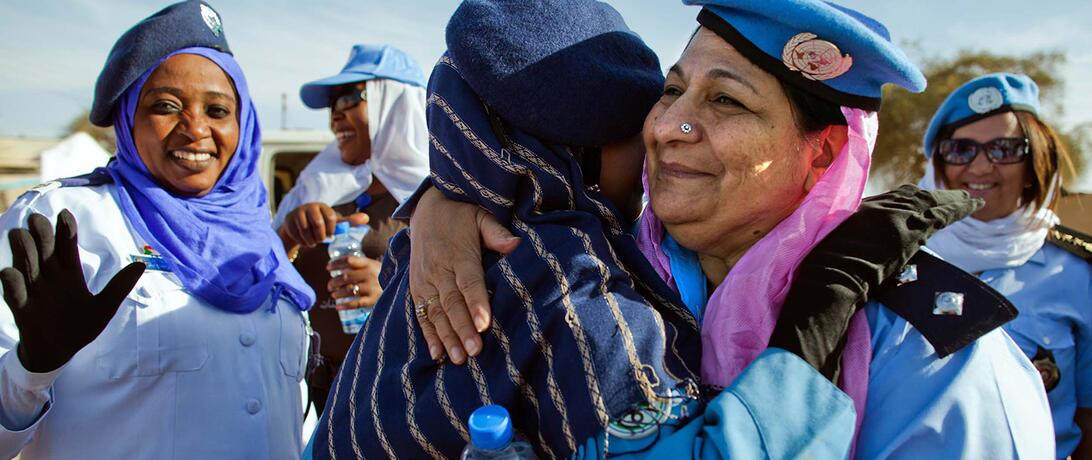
[
  {"x": 983, "y": 401},
  {"x": 169, "y": 377},
  {"x": 1053, "y": 292}
]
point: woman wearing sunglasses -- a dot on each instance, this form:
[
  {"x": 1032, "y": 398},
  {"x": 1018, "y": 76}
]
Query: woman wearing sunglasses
[
  {"x": 377, "y": 112},
  {"x": 987, "y": 138}
]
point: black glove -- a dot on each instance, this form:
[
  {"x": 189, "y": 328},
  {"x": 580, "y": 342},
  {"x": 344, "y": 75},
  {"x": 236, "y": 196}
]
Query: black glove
[
  {"x": 834, "y": 280},
  {"x": 57, "y": 316}
]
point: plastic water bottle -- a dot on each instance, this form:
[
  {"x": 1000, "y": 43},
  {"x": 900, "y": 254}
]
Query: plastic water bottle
[
  {"x": 346, "y": 243},
  {"x": 491, "y": 437}
]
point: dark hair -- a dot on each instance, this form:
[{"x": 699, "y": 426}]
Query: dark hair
[
  {"x": 1048, "y": 156},
  {"x": 811, "y": 112}
]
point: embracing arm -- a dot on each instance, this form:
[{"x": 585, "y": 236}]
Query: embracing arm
[
  {"x": 446, "y": 274},
  {"x": 446, "y": 240}
]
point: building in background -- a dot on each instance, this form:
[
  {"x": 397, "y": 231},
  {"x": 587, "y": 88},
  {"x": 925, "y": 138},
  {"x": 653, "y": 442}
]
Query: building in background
[{"x": 20, "y": 164}]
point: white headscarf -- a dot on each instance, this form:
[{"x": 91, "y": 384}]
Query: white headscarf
[
  {"x": 976, "y": 246},
  {"x": 396, "y": 125}
]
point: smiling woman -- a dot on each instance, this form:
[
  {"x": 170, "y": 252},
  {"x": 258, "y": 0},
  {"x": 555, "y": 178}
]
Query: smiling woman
[
  {"x": 988, "y": 139},
  {"x": 186, "y": 128},
  {"x": 376, "y": 106},
  {"x": 740, "y": 119},
  {"x": 196, "y": 337}
]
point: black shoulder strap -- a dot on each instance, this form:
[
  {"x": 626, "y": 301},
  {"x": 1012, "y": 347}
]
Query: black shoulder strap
[
  {"x": 1073, "y": 241},
  {"x": 949, "y": 306}
]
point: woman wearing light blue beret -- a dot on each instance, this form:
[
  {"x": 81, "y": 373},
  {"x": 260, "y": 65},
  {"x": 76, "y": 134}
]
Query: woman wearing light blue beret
[
  {"x": 988, "y": 138},
  {"x": 757, "y": 148},
  {"x": 377, "y": 113}
]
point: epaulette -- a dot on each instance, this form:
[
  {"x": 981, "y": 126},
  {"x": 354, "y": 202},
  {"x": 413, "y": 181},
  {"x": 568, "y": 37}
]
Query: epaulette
[
  {"x": 1072, "y": 241},
  {"x": 97, "y": 177},
  {"x": 948, "y": 306}
]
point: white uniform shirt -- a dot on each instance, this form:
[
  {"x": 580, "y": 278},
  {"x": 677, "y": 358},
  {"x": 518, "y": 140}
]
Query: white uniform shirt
[{"x": 170, "y": 376}]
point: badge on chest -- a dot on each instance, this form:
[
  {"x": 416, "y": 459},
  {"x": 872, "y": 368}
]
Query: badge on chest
[{"x": 151, "y": 259}]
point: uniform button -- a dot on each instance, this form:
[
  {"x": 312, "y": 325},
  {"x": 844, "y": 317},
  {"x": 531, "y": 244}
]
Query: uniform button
[
  {"x": 247, "y": 339},
  {"x": 253, "y": 406},
  {"x": 1046, "y": 340}
]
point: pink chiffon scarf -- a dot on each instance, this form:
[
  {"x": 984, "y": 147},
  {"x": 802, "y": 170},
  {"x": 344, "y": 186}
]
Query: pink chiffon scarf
[{"x": 741, "y": 312}]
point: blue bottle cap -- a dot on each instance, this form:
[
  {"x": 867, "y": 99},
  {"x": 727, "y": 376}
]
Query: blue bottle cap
[
  {"x": 363, "y": 201},
  {"x": 341, "y": 227},
  {"x": 490, "y": 427}
]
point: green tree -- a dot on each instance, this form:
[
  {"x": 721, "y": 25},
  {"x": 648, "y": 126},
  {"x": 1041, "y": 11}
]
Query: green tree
[
  {"x": 898, "y": 157},
  {"x": 104, "y": 136}
]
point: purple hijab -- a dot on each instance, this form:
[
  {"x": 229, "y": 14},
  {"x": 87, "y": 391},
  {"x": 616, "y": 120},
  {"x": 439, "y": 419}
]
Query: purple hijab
[{"x": 220, "y": 245}]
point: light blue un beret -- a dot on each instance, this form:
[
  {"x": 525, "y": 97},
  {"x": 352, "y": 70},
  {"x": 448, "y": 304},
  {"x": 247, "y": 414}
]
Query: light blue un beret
[
  {"x": 366, "y": 62},
  {"x": 980, "y": 98},
  {"x": 830, "y": 51}
]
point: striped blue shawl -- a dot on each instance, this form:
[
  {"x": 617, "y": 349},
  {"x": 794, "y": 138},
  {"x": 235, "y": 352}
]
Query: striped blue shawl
[{"x": 584, "y": 331}]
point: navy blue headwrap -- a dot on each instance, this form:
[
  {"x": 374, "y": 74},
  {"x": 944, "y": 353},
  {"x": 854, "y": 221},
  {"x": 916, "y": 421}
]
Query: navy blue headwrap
[
  {"x": 220, "y": 245},
  {"x": 583, "y": 331}
]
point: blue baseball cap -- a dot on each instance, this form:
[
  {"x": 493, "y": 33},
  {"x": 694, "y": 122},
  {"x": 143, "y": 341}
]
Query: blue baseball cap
[
  {"x": 181, "y": 25},
  {"x": 366, "y": 62},
  {"x": 828, "y": 50},
  {"x": 980, "y": 98}
]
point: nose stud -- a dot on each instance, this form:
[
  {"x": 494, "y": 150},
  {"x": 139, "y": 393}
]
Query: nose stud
[{"x": 686, "y": 128}]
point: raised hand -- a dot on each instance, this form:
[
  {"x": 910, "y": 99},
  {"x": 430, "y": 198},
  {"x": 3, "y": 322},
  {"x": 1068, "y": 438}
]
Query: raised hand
[{"x": 55, "y": 312}]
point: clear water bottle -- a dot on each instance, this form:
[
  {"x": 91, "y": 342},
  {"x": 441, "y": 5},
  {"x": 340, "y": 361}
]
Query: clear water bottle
[
  {"x": 491, "y": 437},
  {"x": 346, "y": 242}
]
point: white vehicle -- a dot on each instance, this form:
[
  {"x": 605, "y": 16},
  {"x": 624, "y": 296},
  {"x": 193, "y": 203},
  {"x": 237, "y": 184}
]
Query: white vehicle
[{"x": 284, "y": 155}]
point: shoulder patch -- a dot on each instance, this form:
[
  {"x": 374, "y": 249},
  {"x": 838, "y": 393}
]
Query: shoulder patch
[
  {"x": 45, "y": 187},
  {"x": 1072, "y": 241},
  {"x": 97, "y": 177},
  {"x": 948, "y": 306}
]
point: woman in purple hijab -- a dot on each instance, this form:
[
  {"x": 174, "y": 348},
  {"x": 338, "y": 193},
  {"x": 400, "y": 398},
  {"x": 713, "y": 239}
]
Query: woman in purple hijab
[{"x": 195, "y": 340}]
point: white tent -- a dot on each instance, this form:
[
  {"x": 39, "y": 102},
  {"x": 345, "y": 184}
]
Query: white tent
[{"x": 74, "y": 155}]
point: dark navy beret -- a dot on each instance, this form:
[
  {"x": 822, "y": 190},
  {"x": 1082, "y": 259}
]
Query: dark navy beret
[
  {"x": 186, "y": 24},
  {"x": 567, "y": 71},
  {"x": 982, "y": 97},
  {"x": 366, "y": 62},
  {"x": 831, "y": 51}
]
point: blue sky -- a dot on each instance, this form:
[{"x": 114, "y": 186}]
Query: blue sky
[{"x": 52, "y": 51}]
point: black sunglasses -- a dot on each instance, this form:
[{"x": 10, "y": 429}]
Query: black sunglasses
[
  {"x": 1004, "y": 150},
  {"x": 345, "y": 100}
]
